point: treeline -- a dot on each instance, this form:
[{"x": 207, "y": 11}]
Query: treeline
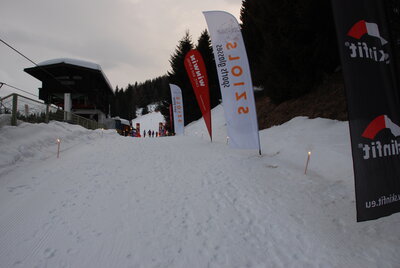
[
  {"x": 127, "y": 100},
  {"x": 291, "y": 44},
  {"x": 178, "y": 76}
]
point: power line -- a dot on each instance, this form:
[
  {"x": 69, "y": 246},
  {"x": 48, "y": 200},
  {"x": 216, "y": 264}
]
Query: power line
[
  {"x": 2, "y": 83},
  {"x": 4, "y": 42},
  {"x": 34, "y": 63}
]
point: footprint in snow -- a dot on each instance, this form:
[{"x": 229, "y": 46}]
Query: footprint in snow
[
  {"x": 272, "y": 166},
  {"x": 49, "y": 253},
  {"x": 18, "y": 189}
]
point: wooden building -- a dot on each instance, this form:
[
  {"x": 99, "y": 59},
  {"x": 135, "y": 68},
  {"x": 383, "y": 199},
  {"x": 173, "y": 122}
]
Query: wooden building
[{"x": 78, "y": 86}]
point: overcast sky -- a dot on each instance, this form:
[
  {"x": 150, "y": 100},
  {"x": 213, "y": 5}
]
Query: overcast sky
[{"x": 132, "y": 40}]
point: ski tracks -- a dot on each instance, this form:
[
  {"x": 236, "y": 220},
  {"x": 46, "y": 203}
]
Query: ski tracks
[{"x": 124, "y": 202}]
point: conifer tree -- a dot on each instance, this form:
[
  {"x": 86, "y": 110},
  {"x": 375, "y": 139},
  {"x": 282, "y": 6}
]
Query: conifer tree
[
  {"x": 290, "y": 43},
  {"x": 179, "y": 77},
  {"x": 252, "y": 31},
  {"x": 205, "y": 48},
  {"x": 145, "y": 110}
]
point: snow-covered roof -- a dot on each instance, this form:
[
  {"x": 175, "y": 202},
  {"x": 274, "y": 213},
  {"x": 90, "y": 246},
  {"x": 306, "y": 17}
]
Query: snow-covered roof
[
  {"x": 81, "y": 63},
  {"x": 123, "y": 121}
]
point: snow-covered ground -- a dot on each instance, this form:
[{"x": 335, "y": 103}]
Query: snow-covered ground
[
  {"x": 112, "y": 201},
  {"x": 149, "y": 121}
]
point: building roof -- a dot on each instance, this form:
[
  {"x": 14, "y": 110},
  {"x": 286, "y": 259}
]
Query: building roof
[
  {"x": 86, "y": 64},
  {"x": 45, "y": 68}
]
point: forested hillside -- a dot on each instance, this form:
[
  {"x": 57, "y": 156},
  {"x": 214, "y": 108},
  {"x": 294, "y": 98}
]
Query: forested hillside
[{"x": 293, "y": 56}]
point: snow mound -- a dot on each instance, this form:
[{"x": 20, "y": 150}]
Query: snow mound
[
  {"x": 39, "y": 141},
  {"x": 149, "y": 121}
]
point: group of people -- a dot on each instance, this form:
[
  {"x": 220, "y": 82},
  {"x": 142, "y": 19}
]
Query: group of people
[{"x": 150, "y": 134}]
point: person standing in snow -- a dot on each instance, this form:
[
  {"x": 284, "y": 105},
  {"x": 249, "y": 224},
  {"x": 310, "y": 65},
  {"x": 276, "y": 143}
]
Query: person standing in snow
[{"x": 144, "y": 133}]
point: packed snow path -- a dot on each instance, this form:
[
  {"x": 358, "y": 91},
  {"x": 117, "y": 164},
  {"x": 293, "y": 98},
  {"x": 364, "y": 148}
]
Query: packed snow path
[{"x": 112, "y": 201}]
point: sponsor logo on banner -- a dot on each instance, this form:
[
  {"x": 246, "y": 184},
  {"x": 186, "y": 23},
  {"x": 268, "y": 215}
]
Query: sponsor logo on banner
[
  {"x": 196, "y": 70},
  {"x": 366, "y": 47},
  {"x": 193, "y": 61},
  {"x": 377, "y": 148},
  {"x": 177, "y": 109},
  {"x": 372, "y": 88}
]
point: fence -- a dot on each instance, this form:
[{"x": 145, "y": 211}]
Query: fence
[{"x": 33, "y": 111}]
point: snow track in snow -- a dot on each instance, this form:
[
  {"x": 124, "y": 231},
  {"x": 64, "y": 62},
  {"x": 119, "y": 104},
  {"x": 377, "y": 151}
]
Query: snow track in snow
[{"x": 113, "y": 201}]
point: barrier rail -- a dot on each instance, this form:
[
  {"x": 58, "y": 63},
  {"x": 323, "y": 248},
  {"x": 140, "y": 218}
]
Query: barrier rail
[{"x": 29, "y": 110}]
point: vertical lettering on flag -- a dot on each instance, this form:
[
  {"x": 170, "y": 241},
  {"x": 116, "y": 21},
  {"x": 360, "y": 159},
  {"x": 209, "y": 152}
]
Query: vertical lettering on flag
[
  {"x": 373, "y": 104},
  {"x": 177, "y": 109},
  {"x": 234, "y": 80},
  {"x": 196, "y": 70},
  {"x": 171, "y": 119}
]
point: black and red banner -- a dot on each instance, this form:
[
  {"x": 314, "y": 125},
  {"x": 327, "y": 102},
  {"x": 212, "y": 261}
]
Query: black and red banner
[{"x": 372, "y": 89}]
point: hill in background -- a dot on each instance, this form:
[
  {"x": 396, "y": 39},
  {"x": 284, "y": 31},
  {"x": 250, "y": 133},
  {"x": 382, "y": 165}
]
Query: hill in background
[{"x": 327, "y": 101}]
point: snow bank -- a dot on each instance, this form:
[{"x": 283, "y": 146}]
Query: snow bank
[
  {"x": 38, "y": 141},
  {"x": 5, "y": 120},
  {"x": 113, "y": 201}
]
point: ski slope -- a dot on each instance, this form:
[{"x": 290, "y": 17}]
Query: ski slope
[{"x": 112, "y": 201}]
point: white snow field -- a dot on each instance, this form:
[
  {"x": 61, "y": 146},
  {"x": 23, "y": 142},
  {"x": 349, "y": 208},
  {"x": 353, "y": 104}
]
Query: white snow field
[
  {"x": 149, "y": 121},
  {"x": 112, "y": 201}
]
